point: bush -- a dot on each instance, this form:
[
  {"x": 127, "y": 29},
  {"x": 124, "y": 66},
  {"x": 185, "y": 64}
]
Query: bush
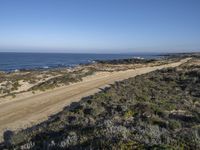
[
  {"x": 129, "y": 114},
  {"x": 174, "y": 124},
  {"x": 158, "y": 121}
]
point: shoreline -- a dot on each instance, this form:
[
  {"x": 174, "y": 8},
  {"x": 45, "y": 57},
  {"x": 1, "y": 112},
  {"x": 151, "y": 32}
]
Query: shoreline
[
  {"x": 153, "y": 56},
  {"x": 87, "y": 61}
]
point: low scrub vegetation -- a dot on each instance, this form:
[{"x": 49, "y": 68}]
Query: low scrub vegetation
[
  {"x": 39, "y": 80},
  {"x": 158, "y": 110},
  {"x": 127, "y": 61},
  {"x": 61, "y": 80}
]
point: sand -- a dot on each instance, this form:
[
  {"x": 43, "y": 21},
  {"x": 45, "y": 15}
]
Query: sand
[{"x": 29, "y": 109}]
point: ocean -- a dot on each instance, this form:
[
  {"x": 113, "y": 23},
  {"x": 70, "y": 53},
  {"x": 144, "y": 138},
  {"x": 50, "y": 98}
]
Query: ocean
[{"x": 20, "y": 61}]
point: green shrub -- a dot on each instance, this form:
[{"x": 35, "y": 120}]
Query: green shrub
[
  {"x": 158, "y": 121},
  {"x": 129, "y": 114},
  {"x": 174, "y": 124}
]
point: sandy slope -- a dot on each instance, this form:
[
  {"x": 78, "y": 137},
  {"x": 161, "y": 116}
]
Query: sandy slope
[{"x": 31, "y": 109}]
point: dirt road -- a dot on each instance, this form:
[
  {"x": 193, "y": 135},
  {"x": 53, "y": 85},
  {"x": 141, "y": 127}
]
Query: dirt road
[{"x": 26, "y": 111}]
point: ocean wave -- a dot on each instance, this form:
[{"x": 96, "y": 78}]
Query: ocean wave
[{"x": 45, "y": 67}]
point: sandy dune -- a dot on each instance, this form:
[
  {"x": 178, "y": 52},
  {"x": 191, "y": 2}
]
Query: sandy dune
[{"x": 26, "y": 111}]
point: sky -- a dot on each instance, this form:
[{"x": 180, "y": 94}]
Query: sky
[{"x": 99, "y": 26}]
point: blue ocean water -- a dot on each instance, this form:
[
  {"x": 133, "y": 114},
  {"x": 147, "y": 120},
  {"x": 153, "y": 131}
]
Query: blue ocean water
[{"x": 19, "y": 61}]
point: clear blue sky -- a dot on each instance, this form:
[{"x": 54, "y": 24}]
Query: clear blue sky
[{"x": 100, "y": 25}]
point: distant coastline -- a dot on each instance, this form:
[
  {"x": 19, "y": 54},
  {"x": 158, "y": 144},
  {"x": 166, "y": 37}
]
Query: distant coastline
[{"x": 12, "y": 61}]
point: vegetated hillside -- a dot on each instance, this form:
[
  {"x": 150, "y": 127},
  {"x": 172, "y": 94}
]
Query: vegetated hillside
[
  {"x": 126, "y": 61},
  {"x": 158, "y": 110}
]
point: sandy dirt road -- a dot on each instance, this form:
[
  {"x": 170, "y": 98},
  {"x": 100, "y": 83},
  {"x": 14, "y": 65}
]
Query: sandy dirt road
[{"x": 29, "y": 110}]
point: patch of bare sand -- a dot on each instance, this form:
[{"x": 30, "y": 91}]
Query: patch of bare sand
[{"x": 29, "y": 109}]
